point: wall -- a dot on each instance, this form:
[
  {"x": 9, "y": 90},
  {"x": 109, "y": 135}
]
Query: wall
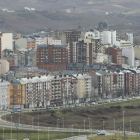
[
  {"x": 129, "y": 52},
  {"x": 22, "y": 43},
  {"x": 4, "y": 66}
]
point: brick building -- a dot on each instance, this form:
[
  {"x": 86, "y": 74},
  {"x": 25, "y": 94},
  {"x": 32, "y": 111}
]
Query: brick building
[
  {"x": 70, "y": 36},
  {"x": 80, "y": 53},
  {"x": 116, "y": 55},
  {"x": 52, "y": 57}
]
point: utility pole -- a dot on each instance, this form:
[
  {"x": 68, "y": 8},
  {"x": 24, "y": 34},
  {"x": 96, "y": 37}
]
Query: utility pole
[{"x": 123, "y": 125}]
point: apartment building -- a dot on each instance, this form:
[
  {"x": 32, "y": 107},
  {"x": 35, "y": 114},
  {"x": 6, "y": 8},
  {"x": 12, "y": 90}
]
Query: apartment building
[
  {"x": 17, "y": 94},
  {"x": 31, "y": 44},
  {"x": 118, "y": 79},
  {"x": 130, "y": 53},
  {"x": 52, "y": 57},
  {"x": 6, "y": 42},
  {"x": 104, "y": 83},
  {"x": 80, "y": 52},
  {"x": 116, "y": 55},
  {"x": 4, "y": 94},
  {"x": 103, "y": 58},
  {"x": 38, "y": 91},
  {"x": 70, "y": 36},
  {"x": 52, "y": 41}
]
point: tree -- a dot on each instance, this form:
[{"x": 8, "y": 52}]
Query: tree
[{"x": 102, "y": 24}]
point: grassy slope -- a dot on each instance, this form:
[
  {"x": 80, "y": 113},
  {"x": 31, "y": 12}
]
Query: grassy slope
[
  {"x": 33, "y": 135},
  {"x": 114, "y": 137},
  {"x": 97, "y": 114}
]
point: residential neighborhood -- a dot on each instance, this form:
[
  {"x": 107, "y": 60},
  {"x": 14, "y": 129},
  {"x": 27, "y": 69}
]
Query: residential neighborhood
[{"x": 60, "y": 68}]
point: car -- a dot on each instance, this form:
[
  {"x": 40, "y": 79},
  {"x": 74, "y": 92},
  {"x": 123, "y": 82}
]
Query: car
[
  {"x": 93, "y": 103},
  {"x": 100, "y": 133},
  {"x": 86, "y": 130},
  {"x": 99, "y": 102}
]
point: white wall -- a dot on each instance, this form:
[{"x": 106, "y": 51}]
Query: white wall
[
  {"x": 130, "y": 37},
  {"x": 4, "y": 66},
  {"x": 129, "y": 52},
  {"x": 90, "y": 34},
  {"x": 4, "y": 95},
  {"x": 7, "y": 41},
  {"x": 109, "y": 37},
  {"x": 22, "y": 42}
]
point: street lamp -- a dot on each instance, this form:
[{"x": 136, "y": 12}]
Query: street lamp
[
  {"x": 103, "y": 124},
  {"x": 89, "y": 123},
  {"x": 63, "y": 122},
  {"x": 91, "y": 128},
  {"x": 48, "y": 134},
  {"x": 84, "y": 125},
  {"x": 114, "y": 124},
  {"x": 3, "y": 133},
  {"x": 38, "y": 127},
  {"x": 72, "y": 130},
  {"x": 57, "y": 124},
  {"x": 19, "y": 117},
  {"x": 32, "y": 122},
  {"x": 11, "y": 127},
  {"x": 123, "y": 121},
  {"x": 130, "y": 125}
]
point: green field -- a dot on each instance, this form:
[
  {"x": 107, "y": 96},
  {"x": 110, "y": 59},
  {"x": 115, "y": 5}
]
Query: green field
[
  {"x": 76, "y": 116},
  {"x": 33, "y": 135},
  {"x": 114, "y": 138}
]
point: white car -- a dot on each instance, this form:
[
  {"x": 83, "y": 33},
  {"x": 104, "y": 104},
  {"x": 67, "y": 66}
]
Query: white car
[{"x": 100, "y": 133}]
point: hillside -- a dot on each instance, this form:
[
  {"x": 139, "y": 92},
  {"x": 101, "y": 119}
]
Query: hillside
[
  {"x": 96, "y": 113},
  {"x": 29, "y": 22},
  {"x": 80, "y": 5},
  {"x": 123, "y": 15}
]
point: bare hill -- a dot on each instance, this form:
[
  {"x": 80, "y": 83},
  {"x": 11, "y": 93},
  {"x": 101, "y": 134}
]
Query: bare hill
[
  {"x": 83, "y": 6},
  {"x": 28, "y": 22}
]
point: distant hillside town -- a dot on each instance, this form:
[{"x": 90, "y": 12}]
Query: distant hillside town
[{"x": 67, "y": 67}]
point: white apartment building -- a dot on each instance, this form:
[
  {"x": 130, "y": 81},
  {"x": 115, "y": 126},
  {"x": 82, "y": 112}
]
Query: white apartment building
[
  {"x": 38, "y": 90},
  {"x": 106, "y": 36},
  {"x": 51, "y": 41},
  {"x": 4, "y": 95},
  {"x": 83, "y": 87},
  {"x": 39, "y": 41},
  {"x": 103, "y": 58},
  {"x": 6, "y": 41},
  {"x": 123, "y": 44},
  {"x": 130, "y": 53},
  {"x": 130, "y": 37}
]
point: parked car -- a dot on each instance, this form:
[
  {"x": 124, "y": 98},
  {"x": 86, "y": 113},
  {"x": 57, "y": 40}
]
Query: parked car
[
  {"x": 100, "y": 133},
  {"x": 93, "y": 103},
  {"x": 99, "y": 102}
]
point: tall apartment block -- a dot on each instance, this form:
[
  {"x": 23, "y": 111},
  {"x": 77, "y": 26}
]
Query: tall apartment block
[
  {"x": 80, "y": 52},
  {"x": 52, "y": 57}
]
